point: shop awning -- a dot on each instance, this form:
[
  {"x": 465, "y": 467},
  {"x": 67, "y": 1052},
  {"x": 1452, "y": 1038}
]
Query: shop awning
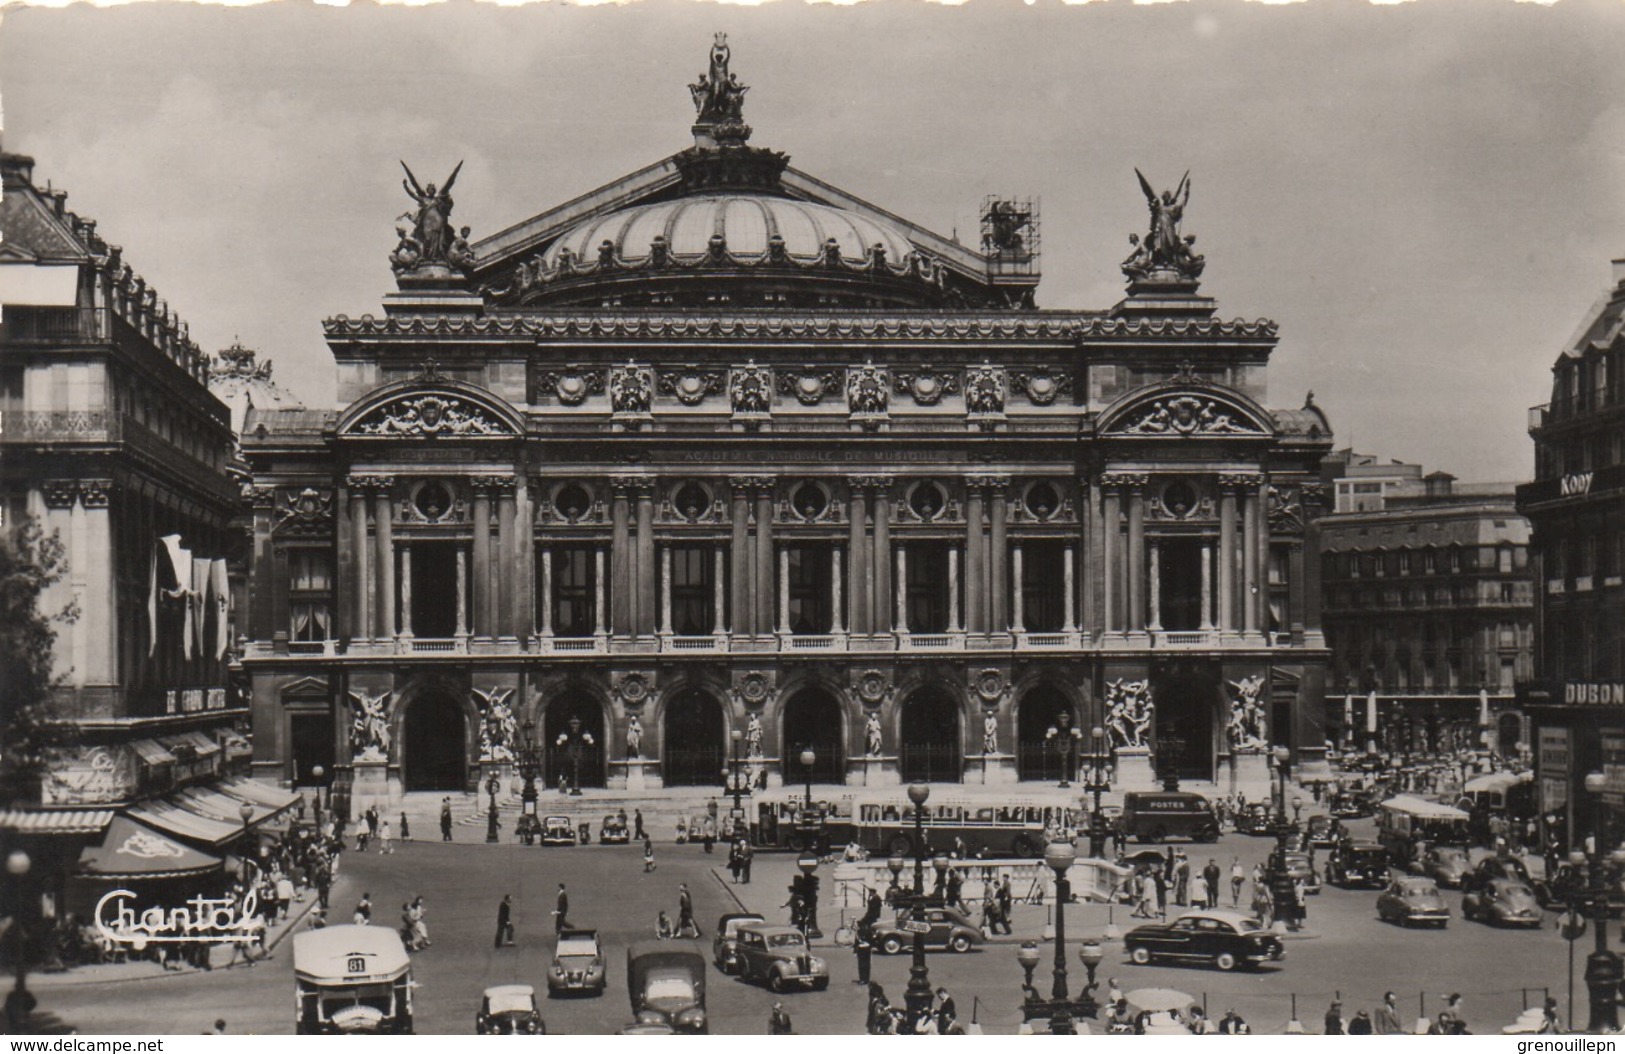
[
  {"x": 260, "y": 793},
  {"x": 201, "y": 743},
  {"x": 55, "y": 821},
  {"x": 171, "y": 818},
  {"x": 152, "y": 753},
  {"x": 133, "y": 851},
  {"x": 213, "y": 805},
  {"x": 235, "y": 744}
]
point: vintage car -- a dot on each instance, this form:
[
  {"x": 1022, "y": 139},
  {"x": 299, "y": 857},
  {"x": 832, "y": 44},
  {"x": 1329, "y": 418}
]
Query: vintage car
[
  {"x": 1572, "y": 881},
  {"x": 613, "y": 831},
  {"x": 1323, "y": 832},
  {"x": 578, "y": 963},
  {"x": 725, "y": 941},
  {"x": 1413, "y": 899},
  {"x": 1445, "y": 864},
  {"x": 509, "y": 1010},
  {"x": 947, "y": 928},
  {"x": 1256, "y": 818},
  {"x": 352, "y": 979},
  {"x": 1225, "y": 939},
  {"x": 1510, "y": 868},
  {"x": 1349, "y": 805},
  {"x": 1302, "y": 869},
  {"x": 1503, "y": 902},
  {"x": 779, "y": 957},
  {"x": 1352, "y": 863},
  {"x": 665, "y": 983},
  {"x": 558, "y": 830}
]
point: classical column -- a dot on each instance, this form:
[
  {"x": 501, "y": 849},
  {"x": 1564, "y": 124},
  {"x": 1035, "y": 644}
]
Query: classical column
[
  {"x": 406, "y": 588},
  {"x": 784, "y": 590},
  {"x": 953, "y": 589},
  {"x": 1090, "y": 618},
  {"x": 482, "y": 557},
  {"x": 620, "y": 563},
  {"x": 764, "y": 556},
  {"x": 997, "y": 584},
  {"x": 1136, "y": 553},
  {"x": 1155, "y": 587},
  {"x": 1111, "y": 545},
  {"x": 719, "y": 599},
  {"x": 1294, "y": 588},
  {"x": 1251, "y": 588},
  {"x": 739, "y": 553},
  {"x": 506, "y": 576},
  {"x": 835, "y": 625},
  {"x": 1018, "y": 602},
  {"x": 1207, "y": 587},
  {"x": 1261, "y": 537},
  {"x": 546, "y": 556},
  {"x": 599, "y": 595},
  {"x": 975, "y": 558},
  {"x": 902, "y": 589},
  {"x": 1226, "y": 554},
  {"x": 384, "y": 516},
  {"x": 858, "y": 585},
  {"x": 644, "y": 574},
  {"x": 359, "y": 626},
  {"x": 523, "y": 554},
  {"x": 1070, "y": 574},
  {"x": 882, "y": 569},
  {"x": 1314, "y": 504},
  {"x": 462, "y": 592},
  {"x": 665, "y": 590}
]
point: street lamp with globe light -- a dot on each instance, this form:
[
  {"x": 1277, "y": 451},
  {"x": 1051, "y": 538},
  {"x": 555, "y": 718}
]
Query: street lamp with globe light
[
  {"x": 20, "y": 1003},
  {"x": 808, "y": 866},
  {"x": 1062, "y": 1010},
  {"x": 917, "y": 996},
  {"x": 1097, "y": 785},
  {"x": 1603, "y": 967},
  {"x": 317, "y": 773},
  {"x": 1281, "y": 887},
  {"x": 246, "y": 812},
  {"x": 895, "y": 865}
]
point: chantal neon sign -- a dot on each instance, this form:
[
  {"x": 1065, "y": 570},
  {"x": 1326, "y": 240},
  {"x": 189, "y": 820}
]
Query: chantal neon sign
[{"x": 213, "y": 920}]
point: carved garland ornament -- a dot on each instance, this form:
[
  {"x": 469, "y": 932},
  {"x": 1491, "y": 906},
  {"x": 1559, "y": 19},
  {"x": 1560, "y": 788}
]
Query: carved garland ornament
[
  {"x": 926, "y": 386},
  {"x": 431, "y": 415},
  {"x": 809, "y": 386},
  {"x": 571, "y": 386},
  {"x": 1042, "y": 387},
  {"x": 691, "y": 386},
  {"x": 990, "y": 687},
  {"x": 871, "y": 688}
]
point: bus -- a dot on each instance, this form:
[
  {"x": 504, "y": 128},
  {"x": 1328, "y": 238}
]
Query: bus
[
  {"x": 1406, "y": 822},
  {"x": 972, "y": 828},
  {"x": 351, "y": 979}
]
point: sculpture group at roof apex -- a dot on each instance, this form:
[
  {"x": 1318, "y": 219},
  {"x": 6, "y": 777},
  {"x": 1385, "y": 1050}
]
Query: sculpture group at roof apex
[
  {"x": 719, "y": 97},
  {"x": 1166, "y": 252},
  {"x": 431, "y": 242}
]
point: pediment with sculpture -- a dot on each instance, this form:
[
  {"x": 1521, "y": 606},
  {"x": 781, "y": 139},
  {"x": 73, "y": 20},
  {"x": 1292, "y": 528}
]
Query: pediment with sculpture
[
  {"x": 425, "y": 409},
  {"x": 1185, "y": 411}
]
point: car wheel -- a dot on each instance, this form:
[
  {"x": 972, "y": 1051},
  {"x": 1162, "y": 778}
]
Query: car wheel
[
  {"x": 795, "y": 843},
  {"x": 1224, "y": 961},
  {"x": 775, "y": 981},
  {"x": 891, "y": 945},
  {"x": 1140, "y": 956},
  {"x": 960, "y": 943},
  {"x": 821, "y": 984},
  {"x": 1022, "y": 845}
]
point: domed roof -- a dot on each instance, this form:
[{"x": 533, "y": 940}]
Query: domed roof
[{"x": 747, "y": 223}]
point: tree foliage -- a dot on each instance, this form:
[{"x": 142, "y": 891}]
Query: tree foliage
[{"x": 30, "y": 562}]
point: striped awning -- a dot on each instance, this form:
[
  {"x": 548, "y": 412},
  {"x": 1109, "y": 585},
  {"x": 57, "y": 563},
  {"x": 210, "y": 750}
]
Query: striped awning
[
  {"x": 55, "y": 821},
  {"x": 132, "y": 851},
  {"x": 203, "y": 744},
  {"x": 151, "y": 752},
  {"x": 172, "y": 818},
  {"x": 256, "y": 793}
]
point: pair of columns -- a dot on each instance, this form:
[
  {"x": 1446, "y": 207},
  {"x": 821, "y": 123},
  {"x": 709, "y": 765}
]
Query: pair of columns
[
  {"x": 599, "y": 584},
  {"x": 1132, "y": 562}
]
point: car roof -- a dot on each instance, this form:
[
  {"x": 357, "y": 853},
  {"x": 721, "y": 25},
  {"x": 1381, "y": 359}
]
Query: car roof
[
  {"x": 567, "y": 934},
  {"x": 1234, "y": 918},
  {"x": 768, "y": 929},
  {"x": 558, "y": 819},
  {"x": 730, "y": 916},
  {"x": 510, "y": 990}
]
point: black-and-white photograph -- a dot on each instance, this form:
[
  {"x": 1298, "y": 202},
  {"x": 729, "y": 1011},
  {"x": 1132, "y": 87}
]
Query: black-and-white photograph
[{"x": 889, "y": 519}]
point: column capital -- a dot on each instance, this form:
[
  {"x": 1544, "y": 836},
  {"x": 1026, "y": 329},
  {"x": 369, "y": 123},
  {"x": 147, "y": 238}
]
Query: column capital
[
  {"x": 369, "y": 482},
  {"x": 258, "y": 496},
  {"x": 643, "y": 483},
  {"x": 762, "y": 484},
  {"x": 868, "y": 482},
  {"x": 59, "y": 493},
  {"x": 501, "y": 485},
  {"x": 1240, "y": 480},
  {"x": 992, "y": 482},
  {"x": 1124, "y": 480},
  {"x": 95, "y": 493}
]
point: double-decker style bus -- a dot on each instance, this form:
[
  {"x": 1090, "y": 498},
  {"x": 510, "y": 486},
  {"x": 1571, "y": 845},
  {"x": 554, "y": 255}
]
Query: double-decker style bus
[{"x": 883, "y": 824}]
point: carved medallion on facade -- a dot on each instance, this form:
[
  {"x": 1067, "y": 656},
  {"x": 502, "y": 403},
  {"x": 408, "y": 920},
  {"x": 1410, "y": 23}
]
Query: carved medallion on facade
[
  {"x": 691, "y": 385},
  {"x": 305, "y": 512},
  {"x": 1041, "y": 386},
  {"x": 416, "y": 416},
  {"x": 1285, "y": 510},
  {"x": 753, "y": 690},
  {"x": 990, "y": 686},
  {"x": 631, "y": 389},
  {"x": 750, "y": 389},
  {"x": 632, "y": 689},
  {"x": 871, "y": 688},
  {"x": 1187, "y": 415},
  {"x": 570, "y": 386},
  {"x": 926, "y": 386},
  {"x": 809, "y": 386}
]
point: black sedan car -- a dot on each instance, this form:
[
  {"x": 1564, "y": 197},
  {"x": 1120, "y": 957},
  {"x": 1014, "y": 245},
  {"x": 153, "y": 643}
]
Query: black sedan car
[
  {"x": 1256, "y": 818},
  {"x": 509, "y": 1010},
  {"x": 1225, "y": 939},
  {"x": 945, "y": 928},
  {"x": 1352, "y": 864}
]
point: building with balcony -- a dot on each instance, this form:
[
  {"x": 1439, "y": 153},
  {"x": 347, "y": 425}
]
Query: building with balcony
[
  {"x": 1428, "y": 609},
  {"x": 719, "y": 446},
  {"x": 1577, "y": 506}
]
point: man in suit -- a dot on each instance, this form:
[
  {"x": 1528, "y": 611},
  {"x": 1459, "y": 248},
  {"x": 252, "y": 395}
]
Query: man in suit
[
  {"x": 561, "y": 911},
  {"x": 686, "y": 926},
  {"x": 505, "y": 922},
  {"x": 445, "y": 819}
]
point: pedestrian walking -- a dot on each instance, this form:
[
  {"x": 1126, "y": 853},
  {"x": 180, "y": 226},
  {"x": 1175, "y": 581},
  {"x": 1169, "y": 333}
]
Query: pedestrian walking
[
  {"x": 324, "y": 883},
  {"x": 505, "y": 922},
  {"x": 746, "y": 855},
  {"x": 406, "y": 830},
  {"x": 863, "y": 945},
  {"x": 1211, "y": 876},
  {"x": 386, "y": 838},
  {"x": 372, "y": 820},
  {"x": 778, "y": 1022},
  {"x": 1182, "y": 879},
  {"x": 947, "y": 1013},
  {"x": 561, "y": 911},
  {"x": 445, "y": 819},
  {"x": 637, "y": 825},
  {"x": 956, "y": 888},
  {"x": 685, "y": 914},
  {"x": 420, "y": 928},
  {"x": 1007, "y": 904},
  {"x": 1199, "y": 890},
  {"x": 734, "y": 863},
  {"x": 284, "y": 895},
  {"x": 708, "y": 833},
  {"x": 1143, "y": 897},
  {"x": 1159, "y": 882},
  {"x": 1238, "y": 878},
  {"x": 1334, "y": 1019},
  {"x": 363, "y": 910},
  {"x": 648, "y": 855}
]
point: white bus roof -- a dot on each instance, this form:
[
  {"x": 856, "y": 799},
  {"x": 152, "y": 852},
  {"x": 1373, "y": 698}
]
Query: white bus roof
[
  {"x": 331, "y": 955},
  {"x": 1428, "y": 810}
]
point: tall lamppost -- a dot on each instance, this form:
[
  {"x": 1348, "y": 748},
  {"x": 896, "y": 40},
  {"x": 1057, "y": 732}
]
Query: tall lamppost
[
  {"x": 574, "y": 742},
  {"x": 808, "y": 864},
  {"x": 1061, "y": 1010},
  {"x": 917, "y": 996},
  {"x": 1281, "y": 886},
  {"x": 316, "y": 773},
  {"x": 20, "y": 1002},
  {"x": 1603, "y": 972},
  {"x": 1066, "y": 738},
  {"x": 1097, "y": 784},
  {"x": 246, "y": 813},
  {"x": 530, "y": 769},
  {"x": 734, "y": 783}
]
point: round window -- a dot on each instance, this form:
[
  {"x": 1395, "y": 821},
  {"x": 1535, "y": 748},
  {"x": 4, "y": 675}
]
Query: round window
[
  {"x": 1043, "y": 500},
  {"x": 927, "y": 501},
  {"x": 691, "y": 500},
  {"x": 572, "y": 501},
  {"x": 810, "y": 501},
  {"x": 1178, "y": 498},
  {"x": 433, "y": 501}
]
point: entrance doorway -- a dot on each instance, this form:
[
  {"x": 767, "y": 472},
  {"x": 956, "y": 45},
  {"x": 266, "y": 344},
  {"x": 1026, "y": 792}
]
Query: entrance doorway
[
  {"x": 311, "y": 741},
  {"x": 1186, "y": 697},
  {"x": 812, "y": 718},
  {"x": 575, "y": 752},
  {"x": 434, "y": 589},
  {"x": 692, "y": 752},
  {"x": 435, "y": 748},
  {"x": 929, "y": 748},
  {"x": 1039, "y": 755}
]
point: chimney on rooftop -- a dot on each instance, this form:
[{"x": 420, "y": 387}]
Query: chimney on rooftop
[{"x": 1438, "y": 484}]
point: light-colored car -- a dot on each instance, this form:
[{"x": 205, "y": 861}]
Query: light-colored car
[
  {"x": 1413, "y": 899},
  {"x": 724, "y": 945},
  {"x": 1503, "y": 902},
  {"x": 779, "y": 957},
  {"x": 946, "y": 928},
  {"x": 509, "y": 1010},
  {"x": 558, "y": 830},
  {"x": 1446, "y": 865},
  {"x": 578, "y": 963}
]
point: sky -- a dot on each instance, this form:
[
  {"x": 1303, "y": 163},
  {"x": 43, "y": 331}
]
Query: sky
[{"x": 1425, "y": 196}]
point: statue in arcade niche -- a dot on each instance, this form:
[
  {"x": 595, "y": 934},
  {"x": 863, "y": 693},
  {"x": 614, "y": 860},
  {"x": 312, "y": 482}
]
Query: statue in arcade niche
[
  {"x": 1165, "y": 248},
  {"x": 634, "y": 737},
  {"x": 990, "y": 733},
  {"x": 871, "y": 736},
  {"x": 1129, "y": 713},
  {"x": 369, "y": 731},
  {"x": 431, "y": 224},
  {"x": 497, "y": 724},
  {"x": 753, "y": 736},
  {"x": 1246, "y": 727}
]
